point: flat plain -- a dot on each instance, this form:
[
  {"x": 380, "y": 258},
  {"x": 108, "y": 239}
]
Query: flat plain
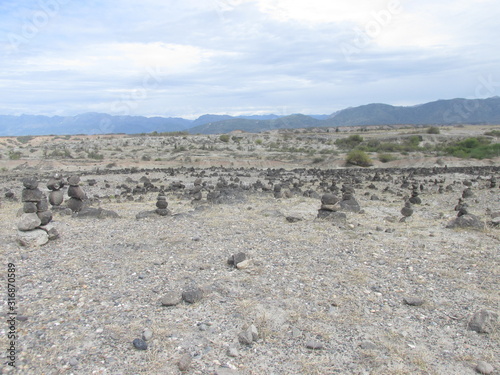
[{"x": 364, "y": 293}]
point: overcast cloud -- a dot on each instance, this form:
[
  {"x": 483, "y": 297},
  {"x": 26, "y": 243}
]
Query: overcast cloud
[{"x": 186, "y": 58}]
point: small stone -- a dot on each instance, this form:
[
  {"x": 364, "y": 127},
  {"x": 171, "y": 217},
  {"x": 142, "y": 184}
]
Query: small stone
[
  {"x": 56, "y": 197},
  {"x": 367, "y": 345},
  {"x": 296, "y": 333},
  {"x": 233, "y": 352},
  {"x": 238, "y": 258},
  {"x": 483, "y": 321},
  {"x": 28, "y": 222},
  {"x": 45, "y": 217},
  {"x": 193, "y": 295},
  {"x": 252, "y": 330},
  {"x": 73, "y": 361},
  {"x": 147, "y": 334},
  {"x": 31, "y": 195},
  {"x": 29, "y": 207},
  {"x": 314, "y": 345},
  {"x": 184, "y": 362},
  {"x": 140, "y": 344},
  {"x": 413, "y": 301},
  {"x": 51, "y": 231},
  {"x": 74, "y": 180},
  {"x": 245, "y": 338},
  {"x": 485, "y": 368},
  {"x": 293, "y": 219},
  {"x": 30, "y": 183},
  {"x": 76, "y": 192},
  {"x": 75, "y": 204},
  {"x": 243, "y": 265},
  {"x": 170, "y": 299},
  {"x": 35, "y": 238}
]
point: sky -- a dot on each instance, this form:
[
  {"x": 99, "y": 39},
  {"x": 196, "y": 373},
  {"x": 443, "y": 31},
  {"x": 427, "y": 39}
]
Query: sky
[{"x": 186, "y": 58}]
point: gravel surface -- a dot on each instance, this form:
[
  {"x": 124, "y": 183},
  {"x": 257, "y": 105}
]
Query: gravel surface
[{"x": 371, "y": 295}]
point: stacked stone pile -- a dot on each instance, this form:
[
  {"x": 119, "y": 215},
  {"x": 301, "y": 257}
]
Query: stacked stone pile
[
  {"x": 76, "y": 194},
  {"x": 162, "y": 205},
  {"x": 348, "y": 202},
  {"x": 56, "y": 195},
  {"x": 415, "y": 199},
  {"x": 33, "y": 226},
  {"x": 329, "y": 207}
]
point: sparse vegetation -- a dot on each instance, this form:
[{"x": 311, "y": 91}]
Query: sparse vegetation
[
  {"x": 385, "y": 158},
  {"x": 433, "y": 130},
  {"x": 95, "y": 155},
  {"x": 24, "y": 139},
  {"x": 349, "y": 142},
  {"x": 358, "y": 158},
  {"x": 224, "y": 138},
  {"x": 474, "y": 147},
  {"x": 15, "y": 155}
]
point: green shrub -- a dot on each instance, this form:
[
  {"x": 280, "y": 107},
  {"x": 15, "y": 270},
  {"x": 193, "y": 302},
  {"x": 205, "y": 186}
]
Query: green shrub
[
  {"x": 359, "y": 158},
  {"x": 477, "y": 148},
  {"x": 385, "y": 158},
  {"x": 493, "y": 133},
  {"x": 24, "y": 138},
  {"x": 349, "y": 142},
  {"x": 95, "y": 155},
  {"x": 15, "y": 155},
  {"x": 433, "y": 130},
  {"x": 224, "y": 138}
]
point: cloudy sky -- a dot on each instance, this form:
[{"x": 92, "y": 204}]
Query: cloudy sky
[{"x": 184, "y": 58}]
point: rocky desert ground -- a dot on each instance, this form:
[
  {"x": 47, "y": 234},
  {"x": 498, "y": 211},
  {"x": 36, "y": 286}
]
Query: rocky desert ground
[{"x": 251, "y": 254}]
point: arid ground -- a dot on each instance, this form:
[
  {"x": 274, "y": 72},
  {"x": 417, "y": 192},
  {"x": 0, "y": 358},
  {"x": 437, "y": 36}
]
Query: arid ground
[{"x": 359, "y": 292}]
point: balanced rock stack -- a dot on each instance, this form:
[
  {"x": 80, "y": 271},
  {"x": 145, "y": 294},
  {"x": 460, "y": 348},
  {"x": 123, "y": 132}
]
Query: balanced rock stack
[
  {"x": 329, "y": 208},
  {"x": 415, "y": 199},
  {"x": 56, "y": 195},
  {"x": 348, "y": 202},
  {"x": 493, "y": 182},
  {"x": 406, "y": 211},
  {"x": 162, "y": 204},
  {"x": 33, "y": 228},
  {"x": 76, "y": 194}
]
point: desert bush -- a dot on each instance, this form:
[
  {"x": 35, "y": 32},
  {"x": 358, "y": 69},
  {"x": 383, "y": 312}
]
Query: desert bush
[
  {"x": 433, "y": 130},
  {"x": 474, "y": 147},
  {"x": 146, "y": 158},
  {"x": 258, "y": 141},
  {"x": 385, "y": 158},
  {"x": 15, "y": 155},
  {"x": 359, "y": 158},
  {"x": 24, "y": 139},
  {"x": 224, "y": 138},
  {"x": 318, "y": 160},
  {"x": 349, "y": 142},
  {"x": 95, "y": 155},
  {"x": 493, "y": 133},
  {"x": 60, "y": 153}
]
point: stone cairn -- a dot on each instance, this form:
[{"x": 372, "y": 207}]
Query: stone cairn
[
  {"x": 76, "y": 194},
  {"x": 406, "y": 211},
  {"x": 329, "y": 208},
  {"x": 56, "y": 195},
  {"x": 162, "y": 204},
  {"x": 33, "y": 226},
  {"x": 415, "y": 199},
  {"x": 348, "y": 202}
]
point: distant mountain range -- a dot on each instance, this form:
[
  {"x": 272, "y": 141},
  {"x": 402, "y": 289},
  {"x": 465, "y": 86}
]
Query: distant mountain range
[{"x": 441, "y": 112}]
